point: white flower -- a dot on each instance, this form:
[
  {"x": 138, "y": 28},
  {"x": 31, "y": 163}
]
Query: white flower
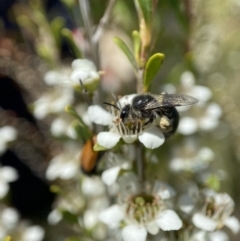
[
  {"x": 206, "y": 115},
  {"x": 7, "y": 174},
  {"x": 151, "y": 136},
  {"x": 64, "y": 166},
  {"x": 216, "y": 213},
  {"x": 209, "y": 236},
  {"x": 116, "y": 163},
  {"x": 61, "y": 127},
  {"x": 84, "y": 70},
  {"x": 7, "y": 134},
  {"x": 53, "y": 102},
  {"x": 190, "y": 157},
  {"x": 141, "y": 212},
  {"x": 33, "y": 233},
  {"x": 81, "y": 69},
  {"x": 92, "y": 186}
]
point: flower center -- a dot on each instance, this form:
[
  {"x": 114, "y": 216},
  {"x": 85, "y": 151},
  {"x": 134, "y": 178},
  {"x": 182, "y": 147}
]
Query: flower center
[{"x": 143, "y": 208}]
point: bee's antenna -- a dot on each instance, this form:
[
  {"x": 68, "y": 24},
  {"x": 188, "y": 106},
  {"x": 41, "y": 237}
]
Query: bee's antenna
[{"x": 106, "y": 103}]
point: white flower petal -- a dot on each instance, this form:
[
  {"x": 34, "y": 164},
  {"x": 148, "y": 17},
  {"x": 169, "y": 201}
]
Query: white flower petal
[
  {"x": 233, "y": 224},
  {"x": 208, "y": 123},
  {"x": 187, "y": 126},
  {"x": 92, "y": 186},
  {"x": 8, "y": 133},
  {"x": 134, "y": 233},
  {"x": 186, "y": 203},
  {"x": 203, "y": 222},
  {"x": 202, "y": 93},
  {"x": 3, "y": 189},
  {"x": 129, "y": 138},
  {"x": 169, "y": 220},
  {"x": 152, "y": 228},
  {"x": 68, "y": 171},
  {"x": 9, "y": 217},
  {"x": 214, "y": 110},
  {"x": 34, "y": 233},
  {"x": 90, "y": 219},
  {"x": 112, "y": 216},
  {"x": 218, "y": 236},
  {"x": 110, "y": 176},
  {"x": 83, "y": 64},
  {"x": 54, "y": 217},
  {"x": 187, "y": 79},
  {"x": 152, "y": 137},
  {"x": 58, "y": 127},
  {"x": 52, "y": 77},
  {"x": 98, "y": 115},
  {"x": 8, "y": 174},
  {"x": 164, "y": 190},
  {"x": 108, "y": 139}
]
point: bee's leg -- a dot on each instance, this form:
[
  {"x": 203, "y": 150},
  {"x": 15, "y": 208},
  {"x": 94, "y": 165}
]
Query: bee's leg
[{"x": 150, "y": 120}]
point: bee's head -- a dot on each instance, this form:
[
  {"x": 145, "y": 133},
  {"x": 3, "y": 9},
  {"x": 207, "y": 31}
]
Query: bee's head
[{"x": 125, "y": 112}]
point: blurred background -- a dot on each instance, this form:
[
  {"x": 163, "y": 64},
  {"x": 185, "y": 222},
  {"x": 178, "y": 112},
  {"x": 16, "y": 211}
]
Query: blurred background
[{"x": 201, "y": 43}]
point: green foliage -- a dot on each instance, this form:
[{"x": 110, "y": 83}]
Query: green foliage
[
  {"x": 126, "y": 51},
  {"x": 68, "y": 35},
  {"x": 56, "y": 26},
  {"x": 136, "y": 44},
  {"x": 152, "y": 67},
  {"x": 146, "y": 7}
]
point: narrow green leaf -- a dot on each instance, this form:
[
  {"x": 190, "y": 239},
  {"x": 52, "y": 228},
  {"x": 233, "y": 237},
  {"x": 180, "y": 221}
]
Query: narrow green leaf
[
  {"x": 69, "y": 37},
  {"x": 127, "y": 52},
  {"x": 152, "y": 67},
  {"x": 70, "y": 110},
  {"x": 136, "y": 44},
  {"x": 82, "y": 132},
  {"x": 146, "y": 7},
  {"x": 56, "y": 26}
]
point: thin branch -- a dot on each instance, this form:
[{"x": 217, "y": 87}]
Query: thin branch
[
  {"x": 140, "y": 164},
  {"x": 104, "y": 20}
]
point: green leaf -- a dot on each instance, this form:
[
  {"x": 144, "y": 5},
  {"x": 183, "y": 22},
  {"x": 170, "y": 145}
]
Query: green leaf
[
  {"x": 127, "y": 52},
  {"x": 146, "y": 7},
  {"x": 56, "y": 25},
  {"x": 79, "y": 126},
  {"x": 69, "y": 37},
  {"x": 213, "y": 182},
  {"x": 152, "y": 67},
  {"x": 97, "y": 147},
  {"x": 70, "y": 110},
  {"x": 136, "y": 44},
  {"x": 55, "y": 189},
  {"x": 82, "y": 132},
  {"x": 70, "y": 217}
]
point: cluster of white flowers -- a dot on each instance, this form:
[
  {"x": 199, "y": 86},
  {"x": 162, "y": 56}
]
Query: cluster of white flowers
[
  {"x": 10, "y": 224},
  {"x": 82, "y": 72},
  {"x": 205, "y": 115}
]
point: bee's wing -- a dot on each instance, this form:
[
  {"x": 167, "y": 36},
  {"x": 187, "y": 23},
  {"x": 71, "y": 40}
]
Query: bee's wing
[{"x": 170, "y": 100}]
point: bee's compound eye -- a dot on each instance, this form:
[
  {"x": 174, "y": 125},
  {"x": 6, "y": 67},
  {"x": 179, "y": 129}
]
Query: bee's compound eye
[{"x": 125, "y": 112}]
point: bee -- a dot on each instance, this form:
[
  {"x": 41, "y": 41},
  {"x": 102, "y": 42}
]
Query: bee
[{"x": 160, "y": 110}]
